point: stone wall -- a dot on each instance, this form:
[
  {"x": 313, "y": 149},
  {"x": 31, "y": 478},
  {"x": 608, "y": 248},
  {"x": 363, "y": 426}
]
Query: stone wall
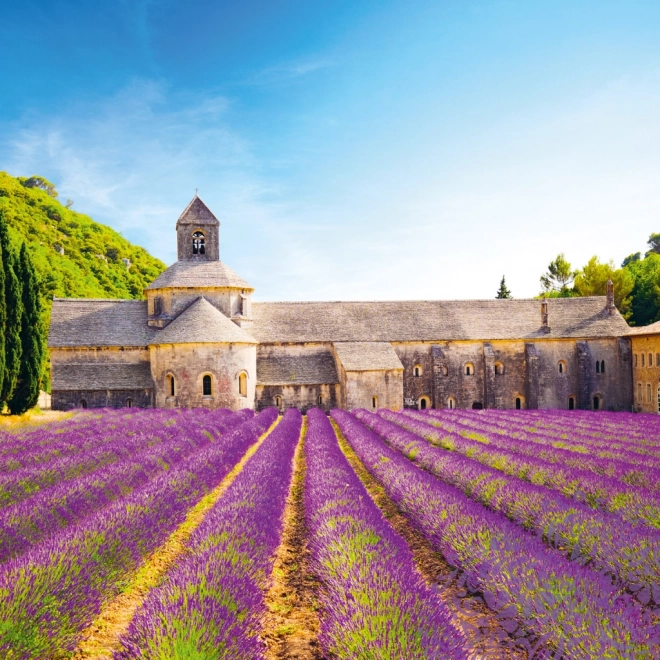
[
  {"x": 69, "y": 399},
  {"x": 646, "y": 373},
  {"x": 188, "y": 363},
  {"x": 360, "y": 388},
  {"x": 302, "y": 397}
]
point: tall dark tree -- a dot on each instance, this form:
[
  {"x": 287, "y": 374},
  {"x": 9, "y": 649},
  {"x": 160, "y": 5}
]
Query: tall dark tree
[
  {"x": 14, "y": 310},
  {"x": 3, "y": 307},
  {"x": 503, "y": 291},
  {"x": 26, "y": 392}
]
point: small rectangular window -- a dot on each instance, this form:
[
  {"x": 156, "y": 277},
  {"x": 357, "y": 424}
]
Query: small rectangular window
[
  {"x": 642, "y": 359},
  {"x": 639, "y": 392},
  {"x": 648, "y": 392}
]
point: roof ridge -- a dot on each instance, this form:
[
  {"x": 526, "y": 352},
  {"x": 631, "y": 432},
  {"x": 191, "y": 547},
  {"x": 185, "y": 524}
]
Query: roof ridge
[
  {"x": 423, "y": 300},
  {"x": 118, "y": 300}
]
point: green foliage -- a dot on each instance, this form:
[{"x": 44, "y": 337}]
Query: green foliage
[
  {"x": 592, "y": 281},
  {"x": 73, "y": 256},
  {"x": 3, "y": 307},
  {"x": 558, "y": 278},
  {"x": 14, "y": 307},
  {"x": 654, "y": 244},
  {"x": 26, "y": 392},
  {"x": 503, "y": 291},
  {"x": 646, "y": 290}
]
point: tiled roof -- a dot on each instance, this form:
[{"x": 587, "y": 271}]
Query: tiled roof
[
  {"x": 367, "y": 356},
  {"x": 98, "y": 322},
  {"x": 281, "y": 368},
  {"x": 201, "y": 323},
  {"x": 652, "y": 329},
  {"x": 106, "y": 376},
  {"x": 440, "y": 320},
  {"x": 199, "y": 274},
  {"x": 197, "y": 213}
]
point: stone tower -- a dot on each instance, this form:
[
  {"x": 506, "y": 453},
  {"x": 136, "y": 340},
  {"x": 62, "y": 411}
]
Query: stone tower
[{"x": 198, "y": 233}]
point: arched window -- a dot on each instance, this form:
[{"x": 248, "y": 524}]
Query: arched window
[
  {"x": 198, "y": 243},
  {"x": 445, "y": 370},
  {"x": 451, "y": 403},
  {"x": 648, "y": 392},
  {"x": 597, "y": 366},
  {"x": 499, "y": 369},
  {"x": 320, "y": 400},
  {"x": 571, "y": 403},
  {"x": 518, "y": 403},
  {"x": 278, "y": 402},
  {"x": 639, "y": 392},
  {"x": 207, "y": 385},
  {"x": 83, "y": 403},
  {"x": 170, "y": 385},
  {"x": 423, "y": 403},
  {"x": 650, "y": 359},
  {"x": 374, "y": 402},
  {"x": 597, "y": 402},
  {"x": 129, "y": 403},
  {"x": 635, "y": 359},
  {"x": 469, "y": 369},
  {"x": 242, "y": 383},
  {"x": 561, "y": 365},
  {"x": 417, "y": 371},
  {"x": 602, "y": 366},
  {"x": 642, "y": 359}
]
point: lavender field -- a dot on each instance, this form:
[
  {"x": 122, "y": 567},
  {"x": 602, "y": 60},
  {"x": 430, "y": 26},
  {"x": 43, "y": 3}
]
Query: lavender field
[{"x": 195, "y": 534}]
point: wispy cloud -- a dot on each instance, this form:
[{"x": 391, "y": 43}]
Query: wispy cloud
[{"x": 288, "y": 71}]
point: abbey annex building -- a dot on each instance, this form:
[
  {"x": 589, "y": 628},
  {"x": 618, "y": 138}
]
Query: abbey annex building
[{"x": 199, "y": 340}]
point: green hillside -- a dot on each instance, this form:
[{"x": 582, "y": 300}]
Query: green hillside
[{"x": 75, "y": 257}]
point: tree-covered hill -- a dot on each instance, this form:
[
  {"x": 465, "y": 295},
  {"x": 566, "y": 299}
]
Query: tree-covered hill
[{"x": 73, "y": 255}]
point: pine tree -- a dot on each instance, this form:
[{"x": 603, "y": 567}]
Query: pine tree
[
  {"x": 503, "y": 291},
  {"x": 26, "y": 393},
  {"x": 14, "y": 311}
]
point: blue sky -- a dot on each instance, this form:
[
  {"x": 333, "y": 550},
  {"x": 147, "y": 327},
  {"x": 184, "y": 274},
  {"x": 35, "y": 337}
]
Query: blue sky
[{"x": 351, "y": 150}]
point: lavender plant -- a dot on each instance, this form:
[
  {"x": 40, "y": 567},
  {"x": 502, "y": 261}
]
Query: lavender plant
[
  {"x": 212, "y": 604},
  {"x": 374, "y": 603},
  {"x": 575, "y": 610}
]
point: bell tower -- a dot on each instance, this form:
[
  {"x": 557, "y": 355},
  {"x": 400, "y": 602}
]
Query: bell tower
[{"x": 198, "y": 233}]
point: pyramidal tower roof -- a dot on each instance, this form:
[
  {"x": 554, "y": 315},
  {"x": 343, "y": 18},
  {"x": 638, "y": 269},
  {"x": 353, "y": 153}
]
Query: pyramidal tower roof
[
  {"x": 202, "y": 323},
  {"x": 197, "y": 213}
]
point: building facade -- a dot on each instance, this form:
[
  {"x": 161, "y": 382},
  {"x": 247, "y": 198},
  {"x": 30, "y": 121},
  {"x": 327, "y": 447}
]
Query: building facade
[{"x": 198, "y": 339}]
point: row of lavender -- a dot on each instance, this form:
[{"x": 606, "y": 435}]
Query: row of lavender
[
  {"x": 573, "y": 609},
  {"x": 54, "y": 589}
]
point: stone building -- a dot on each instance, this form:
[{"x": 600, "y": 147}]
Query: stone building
[
  {"x": 198, "y": 339},
  {"x": 646, "y": 367}
]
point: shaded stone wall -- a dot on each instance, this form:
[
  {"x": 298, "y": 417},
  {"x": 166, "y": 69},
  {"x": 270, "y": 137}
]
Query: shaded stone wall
[
  {"x": 69, "y": 399},
  {"x": 302, "y": 397}
]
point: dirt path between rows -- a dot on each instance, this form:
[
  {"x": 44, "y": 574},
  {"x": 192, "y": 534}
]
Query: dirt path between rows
[
  {"x": 291, "y": 627},
  {"x": 102, "y": 638},
  {"x": 485, "y": 635}
]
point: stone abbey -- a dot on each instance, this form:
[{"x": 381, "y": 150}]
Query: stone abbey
[{"x": 199, "y": 340}]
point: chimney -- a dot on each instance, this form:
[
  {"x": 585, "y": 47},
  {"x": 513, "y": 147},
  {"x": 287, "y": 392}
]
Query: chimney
[
  {"x": 544, "y": 315},
  {"x": 610, "y": 297}
]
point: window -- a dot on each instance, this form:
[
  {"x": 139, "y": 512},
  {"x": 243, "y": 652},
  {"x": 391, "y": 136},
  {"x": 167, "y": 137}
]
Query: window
[
  {"x": 451, "y": 403},
  {"x": 83, "y": 403},
  {"x": 445, "y": 370},
  {"x": 658, "y": 397},
  {"x": 518, "y": 403},
  {"x": 642, "y": 359},
  {"x": 648, "y": 392},
  {"x": 597, "y": 366},
  {"x": 650, "y": 359},
  {"x": 602, "y": 366},
  {"x": 417, "y": 371},
  {"x": 374, "y": 402},
  {"x": 469, "y": 369},
  {"x": 635, "y": 359},
  {"x": 320, "y": 400},
  {"x": 423, "y": 403},
  {"x": 499, "y": 369},
  {"x": 198, "y": 243},
  {"x": 639, "y": 392},
  {"x": 207, "y": 389},
  {"x": 158, "y": 306},
  {"x": 597, "y": 403},
  {"x": 129, "y": 403},
  {"x": 170, "y": 384},
  {"x": 477, "y": 405},
  {"x": 561, "y": 366},
  {"x": 657, "y": 359},
  {"x": 278, "y": 402},
  {"x": 571, "y": 403},
  {"x": 242, "y": 384}
]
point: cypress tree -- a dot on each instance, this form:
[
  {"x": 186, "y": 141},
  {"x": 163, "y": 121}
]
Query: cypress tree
[
  {"x": 26, "y": 392},
  {"x": 14, "y": 311},
  {"x": 3, "y": 307}
]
